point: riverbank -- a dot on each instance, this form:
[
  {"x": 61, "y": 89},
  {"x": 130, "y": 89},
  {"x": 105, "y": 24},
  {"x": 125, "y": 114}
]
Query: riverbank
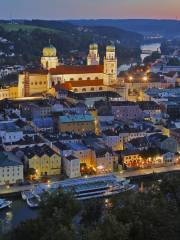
[{"x": 16, "y": 190}]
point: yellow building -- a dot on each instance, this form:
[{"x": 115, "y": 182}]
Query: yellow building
[
  {"x": 9, "y": 92},
  {"x": 44, "y": 160},
  {"x": 53, "y": 73},
  {"x": 77, "y": 123},
  {"x": 32, "y": 83}
]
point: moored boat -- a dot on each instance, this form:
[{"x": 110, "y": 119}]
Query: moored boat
[{"x": 5, "y": 203}]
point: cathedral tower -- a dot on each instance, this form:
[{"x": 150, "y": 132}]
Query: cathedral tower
[
  {"x": 110, "y": 66},
  {"x": 49, "y": 59},
  {"x": 93, "y": 56}
]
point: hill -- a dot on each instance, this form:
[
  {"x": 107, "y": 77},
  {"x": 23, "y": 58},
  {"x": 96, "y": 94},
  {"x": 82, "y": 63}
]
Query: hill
[
  {"x": 16, "y": 27},
  {"x": 26, "y": 39},
  {"x": 166, "y": 28}
]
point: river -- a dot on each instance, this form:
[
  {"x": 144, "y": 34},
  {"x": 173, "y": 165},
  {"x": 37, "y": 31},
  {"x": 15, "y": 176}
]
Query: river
[
  {"x": 151, "y": 47},
  {"x": 11, "y": 217}
]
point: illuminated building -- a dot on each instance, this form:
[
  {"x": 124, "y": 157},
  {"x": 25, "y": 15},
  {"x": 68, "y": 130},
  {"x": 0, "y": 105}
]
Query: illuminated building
[{"x": 53, "y": 73}]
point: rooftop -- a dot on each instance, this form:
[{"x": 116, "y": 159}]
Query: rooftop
[
  {"x": 64, "y": 69},
  {"x": 76, "y": 118}
]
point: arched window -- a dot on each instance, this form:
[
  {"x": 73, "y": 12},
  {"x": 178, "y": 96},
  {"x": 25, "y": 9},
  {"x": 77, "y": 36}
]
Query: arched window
[
  {"x": 40, "y": 83},
  {"x": 92, "y": 89},
  {"x": 71, "y": 79},
  {"x": 35, "y": 83},
  {"x": 84, "y": 90},
  {"x": 80, "y": 79},
  {"x": 52, "y": 83},
  {"x": 58, "y": 82},
  {"x": 88, "y": 78},
  {"x": 75, "y": 90},
  {"x": 96, "y": 78},
  {"x": 100, "y": 88}
]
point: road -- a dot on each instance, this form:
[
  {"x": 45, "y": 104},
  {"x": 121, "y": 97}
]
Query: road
[
  {"x": 124, "y": 174},
  {"x": 141, "y": 172}
]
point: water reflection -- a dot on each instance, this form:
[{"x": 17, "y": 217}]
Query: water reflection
[{"x": 11, "y": 217}]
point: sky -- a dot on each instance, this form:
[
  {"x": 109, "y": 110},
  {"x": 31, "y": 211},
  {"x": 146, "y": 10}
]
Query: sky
[{"x": 89, "y": 9}]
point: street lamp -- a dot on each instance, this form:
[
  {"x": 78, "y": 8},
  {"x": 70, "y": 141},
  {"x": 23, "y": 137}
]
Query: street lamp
[{"x": 145, "y": 78}]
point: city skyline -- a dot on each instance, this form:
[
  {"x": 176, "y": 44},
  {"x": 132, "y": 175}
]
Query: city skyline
[{"x": 84, "y": 9}]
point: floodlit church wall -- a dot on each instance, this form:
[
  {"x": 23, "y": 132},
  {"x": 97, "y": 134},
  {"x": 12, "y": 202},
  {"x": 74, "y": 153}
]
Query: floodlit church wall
[{"x": 62, "y": 78}]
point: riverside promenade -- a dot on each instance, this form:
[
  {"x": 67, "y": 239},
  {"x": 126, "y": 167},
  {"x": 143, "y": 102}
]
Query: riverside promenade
[{"x": 13, "y": 190}]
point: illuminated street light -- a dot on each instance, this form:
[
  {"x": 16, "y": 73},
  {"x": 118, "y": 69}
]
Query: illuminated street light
[
  {"x": 130, "y": 78},
  {"x": 145, "y": 78}
]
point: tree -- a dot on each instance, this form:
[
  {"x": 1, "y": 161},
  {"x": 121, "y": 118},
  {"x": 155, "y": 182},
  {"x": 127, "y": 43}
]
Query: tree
[{"x": 92, "y": 212}]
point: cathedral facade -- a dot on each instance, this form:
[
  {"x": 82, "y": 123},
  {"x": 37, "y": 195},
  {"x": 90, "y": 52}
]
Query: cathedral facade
[{"x": 93, "y": 76}]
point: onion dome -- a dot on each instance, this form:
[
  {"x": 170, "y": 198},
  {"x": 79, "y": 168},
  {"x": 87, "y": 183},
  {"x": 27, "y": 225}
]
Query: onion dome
[
  {"x": 49, "y": 51},
  {"x": 110, "y": 48},
  {"x": 93, "y": 46}
]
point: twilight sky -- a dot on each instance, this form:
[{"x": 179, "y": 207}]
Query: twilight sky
[{"x": 71, "y": 9}]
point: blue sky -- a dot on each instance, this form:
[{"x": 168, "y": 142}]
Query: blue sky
[{"x": 76, "y": 9}]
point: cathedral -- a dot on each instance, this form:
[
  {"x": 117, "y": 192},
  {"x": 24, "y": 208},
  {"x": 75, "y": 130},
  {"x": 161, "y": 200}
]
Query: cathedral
[{"x": 90, "y": 77}]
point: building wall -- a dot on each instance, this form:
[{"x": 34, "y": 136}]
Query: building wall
[
  {"x": 38, "y": 83},
  {"x": 11, "y": 174},
  {"x": 49, "y": 62},
  {"x": 77, "y": 127},
  {"x": 104, "y": 164},
  {"x": 13, "y": 92},
  {"x": 116, "y": 142},
  {"x": 4, "y": 93},
  {"x": 72, "y": 168},
  {"x": 127, "y": 112},
  {"x": 62, "y": 78},
  {"x": 46, "y": 165},
  {"x": 85, "y": 156},
  {"x": 10, "y": 137}
]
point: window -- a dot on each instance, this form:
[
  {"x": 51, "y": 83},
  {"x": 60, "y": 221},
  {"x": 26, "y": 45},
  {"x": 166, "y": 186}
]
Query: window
[
  {"x": 100, "y": 88},
  {"x": 96, "y": 78},
  {"x": 88, "y": 78},
  {"x": 75, "y": 90},
  {"x": 80, "y": 79},
  {"x": 84, "y": 90},
  {"x": 92, "y": 89}
]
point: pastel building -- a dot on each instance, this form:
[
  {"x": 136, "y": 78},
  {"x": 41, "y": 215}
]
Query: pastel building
[
  {"x": 72, "y": 166},
  {"x": 11, "y": 170},
  {"x": 77, "y": 123},
  {"x": 43, "y": 159}
]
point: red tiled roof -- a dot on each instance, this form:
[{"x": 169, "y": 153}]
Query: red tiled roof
[
  {"x": 82, "y": 83},
  {"x": 62, "y": 69}
]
